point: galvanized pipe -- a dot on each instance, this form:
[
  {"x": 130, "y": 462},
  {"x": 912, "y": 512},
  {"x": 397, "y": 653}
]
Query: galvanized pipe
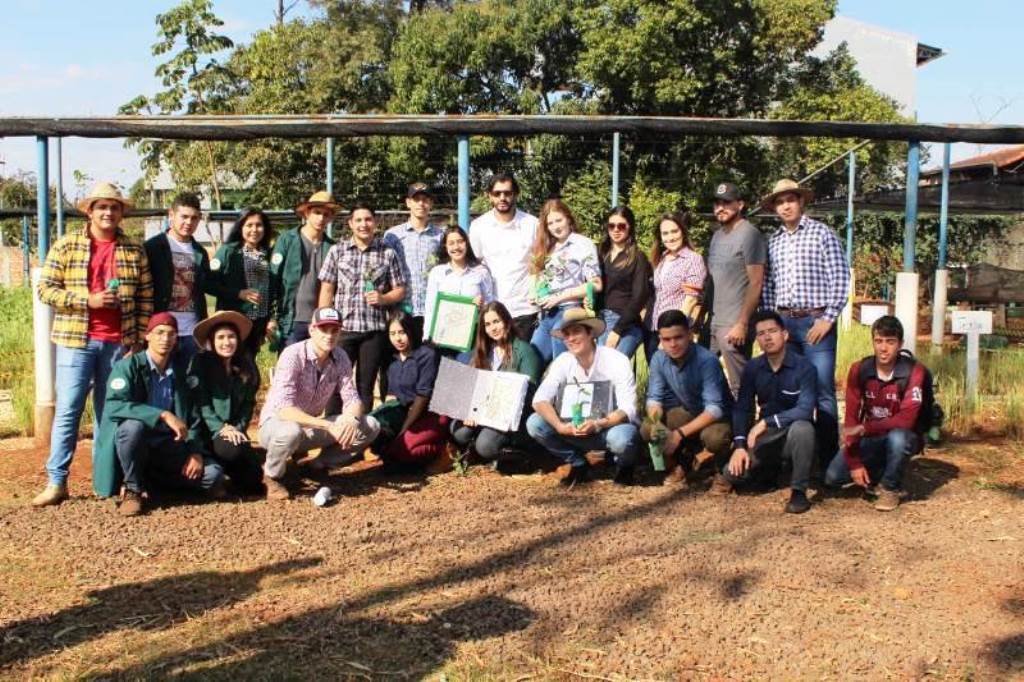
[{"x": 464, "y": 189}]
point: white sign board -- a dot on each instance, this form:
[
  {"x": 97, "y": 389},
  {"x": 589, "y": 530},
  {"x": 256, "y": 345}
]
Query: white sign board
[{"x": 972, "y": 322}]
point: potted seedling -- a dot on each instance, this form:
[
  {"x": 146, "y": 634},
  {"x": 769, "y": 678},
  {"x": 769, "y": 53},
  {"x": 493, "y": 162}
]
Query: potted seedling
[{"x": 658, "y": 435}]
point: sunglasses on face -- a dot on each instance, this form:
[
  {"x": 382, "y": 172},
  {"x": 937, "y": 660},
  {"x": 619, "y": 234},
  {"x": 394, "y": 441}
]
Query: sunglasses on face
[
  {"x": 503, "y": 193},
  {"x": 617, "y": 227}
]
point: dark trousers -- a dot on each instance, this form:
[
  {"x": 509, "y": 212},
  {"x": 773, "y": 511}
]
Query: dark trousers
[
  {"x": 254, "y": 341},
  {"x": 794, "y": 443},
  {"x": 487, "y": 442},
  {"x": 299, "y": 332},
  {"x": 368, "y": 352},
  {"x": 152, "y": 458},
  {"x": 239, "y": 463},
  {"x": 524, "y": 326}
]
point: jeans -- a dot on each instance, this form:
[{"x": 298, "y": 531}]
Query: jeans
[
  {"x": 78, "y": 369},
  {"x": 795, "y": 443},
  {"x": 621, "y": 442},
  {"x": 547, "y": 345},
  {"x": 884, "y": 457},
  {"x": 823, "y": 356},
  {"x": 152, "y": 458},
  {"x": 239, "y": 462},
  {"x": 299, "y": 332},
  {"x": 629, "y": 341},
  {"x": 486, "y": 442},
  {"x": 185, "y": 350},
  {"x": 524, "y": 325}
]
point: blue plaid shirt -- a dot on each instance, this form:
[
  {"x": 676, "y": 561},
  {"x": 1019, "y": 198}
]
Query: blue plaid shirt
[
  {"x": 806, "y": 269},
  {"x": 418, "y": 254}
]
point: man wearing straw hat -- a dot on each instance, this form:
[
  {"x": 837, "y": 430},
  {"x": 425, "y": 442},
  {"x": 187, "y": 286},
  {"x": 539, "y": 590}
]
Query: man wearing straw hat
[
  {"x": 571, "y": 430},
  {"x": 298, "y": 255},
  {"x": 807, "y": 282},
  {"x": 98, "y": 283}
]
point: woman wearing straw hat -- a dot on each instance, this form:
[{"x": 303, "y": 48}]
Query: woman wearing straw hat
[{"x": 224, "y": 381}]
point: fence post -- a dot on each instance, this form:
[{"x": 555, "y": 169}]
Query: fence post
[
  {"x": 907, "y": 282},
  {"x": 941, "y": 274},
  {"x": 60, "y": 188},
  {"x": 26, "y": 250},
  {"x": 464, "y": 182},
  {"x": 850, "y": 190},
  {"x": 42, "y": 314},
  {"x": 330, "y": 179}
]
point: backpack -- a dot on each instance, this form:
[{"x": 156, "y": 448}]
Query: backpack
[{"x": 931, "y": 415}]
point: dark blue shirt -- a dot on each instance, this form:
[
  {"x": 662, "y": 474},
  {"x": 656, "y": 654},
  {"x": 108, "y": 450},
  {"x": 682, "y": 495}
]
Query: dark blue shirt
[
  {"x": 414, "y": 376},
  {"x": 161, "y": 386},
  {"x": 697, "y": 384},
  {"x": 783, "y": 397}
]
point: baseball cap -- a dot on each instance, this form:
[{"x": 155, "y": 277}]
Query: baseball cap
[
  {"x": 325, "y": 317},
  {"x": 726, "y": 191},
  {"x": 419, "y": 188}
]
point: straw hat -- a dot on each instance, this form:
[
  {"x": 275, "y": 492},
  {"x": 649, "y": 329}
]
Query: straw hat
[
  {"x": 103, "y": 190},
  {"x": 239, "y": 321},
  {"x": 785, "y": 186},
  {"x": 321, "y": 198},
  {"x": 580, "y": 316}
]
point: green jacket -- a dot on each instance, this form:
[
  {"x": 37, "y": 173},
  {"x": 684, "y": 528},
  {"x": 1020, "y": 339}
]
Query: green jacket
[
  {"x": 158, "y": 252},
  {"x": 286, "y": 273},
  {"x": 221, "y": 399},
  {"x": 525, "y": 360},
  {"x": 227, "y": 278},
  {"x": 128, "y": 398}
]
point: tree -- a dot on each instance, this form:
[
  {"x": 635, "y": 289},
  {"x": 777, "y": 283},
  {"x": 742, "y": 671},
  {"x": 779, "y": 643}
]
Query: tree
[{"x": 196, "y": 83}]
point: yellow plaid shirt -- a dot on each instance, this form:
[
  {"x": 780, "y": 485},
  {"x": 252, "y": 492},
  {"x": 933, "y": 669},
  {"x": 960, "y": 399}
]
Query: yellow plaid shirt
[{"x": 64, "y": 286}]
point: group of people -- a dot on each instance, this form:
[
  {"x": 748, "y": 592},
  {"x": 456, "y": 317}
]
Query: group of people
[{"x": 174, "y": 387}]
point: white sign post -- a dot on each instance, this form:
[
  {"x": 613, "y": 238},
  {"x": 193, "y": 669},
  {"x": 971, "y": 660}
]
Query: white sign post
[{"x": 973, "y": 323}]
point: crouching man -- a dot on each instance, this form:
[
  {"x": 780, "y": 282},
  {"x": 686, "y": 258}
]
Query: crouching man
[
  {"x": 785, "y": 387},
  {"x": 151, "y": 423},
  {"x": 885, "y": 395},
  {"x": 588, "y": 372},
  {"x": 307, "y": 376},
  {"x": 688, "y": 393}
]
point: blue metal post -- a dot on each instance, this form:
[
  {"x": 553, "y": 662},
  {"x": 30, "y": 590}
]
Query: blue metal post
[
  {"x": 330, "y": 165},
  {"x": 60, "y": 189},
  {"x": 26, "y": 252},
  {"x": 43, "y": 196},
  {"x": 615, "y": 170},
  {"x": 910, "y": 225},
  {"x": 851, "y": 188},
  {"x": 464, "y": 182},
  {"x": 944, "y": 208}
]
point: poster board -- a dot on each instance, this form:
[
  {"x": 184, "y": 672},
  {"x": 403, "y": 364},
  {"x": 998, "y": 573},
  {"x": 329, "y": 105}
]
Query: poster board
[
  {"x": 596, "y": 398},
  {"x": 493, "y": 399},
  {"x": 454, "y": 321}
]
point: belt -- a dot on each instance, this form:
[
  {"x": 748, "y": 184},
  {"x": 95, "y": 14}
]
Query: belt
[{"x": 801, "y": 312}]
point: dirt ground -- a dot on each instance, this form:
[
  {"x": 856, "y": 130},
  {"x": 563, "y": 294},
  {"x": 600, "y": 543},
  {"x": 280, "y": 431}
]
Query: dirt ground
[{"x": 485, "y": 576}]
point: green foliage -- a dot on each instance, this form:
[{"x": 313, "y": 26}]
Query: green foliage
[
  {"x": 587, "y": 204},
  {"x": 649, "y": 202}
]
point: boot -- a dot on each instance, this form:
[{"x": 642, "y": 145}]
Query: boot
[{"x": 53, "y": 494}]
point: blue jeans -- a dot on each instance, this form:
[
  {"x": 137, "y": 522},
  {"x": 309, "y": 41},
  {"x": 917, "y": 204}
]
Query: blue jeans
[
  {"x": 823, "y": 356},
  {"x": 629, "y": 341},
  {"x": 78, "y": 370},
  {"x": 621, "y": 442},
  {"x": 885, "y": 458},
  {"x": 548, "y": 346},
  {"x": 152, "y": 458}
]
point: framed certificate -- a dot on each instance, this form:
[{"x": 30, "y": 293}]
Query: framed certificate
[{"x": 454, "y": 322}]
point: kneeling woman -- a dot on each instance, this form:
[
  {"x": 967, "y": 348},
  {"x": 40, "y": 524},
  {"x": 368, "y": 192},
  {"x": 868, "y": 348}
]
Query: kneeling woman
[
  {"x": 409, "y": 432},
  {"x": 224, "y": 381},
  {"x": 498, "y": 348}
]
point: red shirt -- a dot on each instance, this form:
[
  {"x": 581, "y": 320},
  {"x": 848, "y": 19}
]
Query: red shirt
[
  {"x": 104, "y": 323},
  {"x": 879, "y": 406}
]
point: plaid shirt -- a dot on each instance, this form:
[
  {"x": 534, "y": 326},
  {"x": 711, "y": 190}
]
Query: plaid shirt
[
  {"x": 64, "y": 286},
  {"x": 806, "y": 269},
  {"x": 297, "y": 382},
  {"x": 670, "y": 276},
  {"x": 348, "y": 267},
  {"x": 417, "y": 252}
]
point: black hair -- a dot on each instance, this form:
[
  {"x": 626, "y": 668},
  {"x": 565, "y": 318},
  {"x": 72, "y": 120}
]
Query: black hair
[
  {"x": 361, "y": 205},
  {"x": 442, "y": 251},
  {"x": 888, "y": 326},
  {"x": 404, "y": 320},
  {"x": 187, "y": 199},
  {"x": 673, "y": 318},
  {"x": 765, "y": 315},
  {"x": 242, "y": 365},
  {"x": 235, "y": 235},
  {"x": 502, "y": 177}
]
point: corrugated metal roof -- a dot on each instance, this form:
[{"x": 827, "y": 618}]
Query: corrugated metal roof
[{"x": 1006, "y": 158}]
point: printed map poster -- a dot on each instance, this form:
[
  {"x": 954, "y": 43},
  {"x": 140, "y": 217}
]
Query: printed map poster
[
  {"x": 454, "y": 323},
  {"x": 494, "y": 399}
]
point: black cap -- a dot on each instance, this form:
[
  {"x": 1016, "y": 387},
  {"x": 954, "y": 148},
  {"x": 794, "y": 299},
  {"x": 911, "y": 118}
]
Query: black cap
[
  {"x": 325, "y": 317},
  {"x": 726, "y": 191},
  {"x": 419, "y": 188}
]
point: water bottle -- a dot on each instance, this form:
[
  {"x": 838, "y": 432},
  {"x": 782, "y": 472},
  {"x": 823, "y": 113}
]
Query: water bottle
[{"x": 323, "y": 496}]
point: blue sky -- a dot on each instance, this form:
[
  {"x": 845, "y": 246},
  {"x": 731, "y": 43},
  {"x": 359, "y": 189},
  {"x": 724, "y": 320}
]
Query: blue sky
[{"x": 69, "y": 58}]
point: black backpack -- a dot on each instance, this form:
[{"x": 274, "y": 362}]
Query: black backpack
[{"x": 931, "y": 414}]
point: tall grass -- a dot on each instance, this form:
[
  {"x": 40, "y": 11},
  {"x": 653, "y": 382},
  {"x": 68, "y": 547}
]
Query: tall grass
[{"x": 16, "y": 357}]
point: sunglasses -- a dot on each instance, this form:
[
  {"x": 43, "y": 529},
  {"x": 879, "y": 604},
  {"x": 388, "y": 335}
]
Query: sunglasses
[
  {"x": 503, "y": 193},
  {"x": 617, "y": 226}
]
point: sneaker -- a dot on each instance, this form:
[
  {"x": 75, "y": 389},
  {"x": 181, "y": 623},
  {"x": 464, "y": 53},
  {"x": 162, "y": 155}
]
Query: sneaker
[
  {"x": 887, "y": 500},
  {"x": 131, "y": 504},
  {"x": 720, "y": 486},
  {"x": 675, "y": 476},
  {"x": 275, "y": 489},
  {"x": 52, "y": 494},
  {"x": 575, "y": 475},
  {"x": 798, "y": 502},
  {"x": 623, "y": 476}
]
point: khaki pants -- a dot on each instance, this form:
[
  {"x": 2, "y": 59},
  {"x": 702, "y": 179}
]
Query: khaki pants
[
  {"x": 285, "y": 440},
  {"x": 716, "y": 438}
]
